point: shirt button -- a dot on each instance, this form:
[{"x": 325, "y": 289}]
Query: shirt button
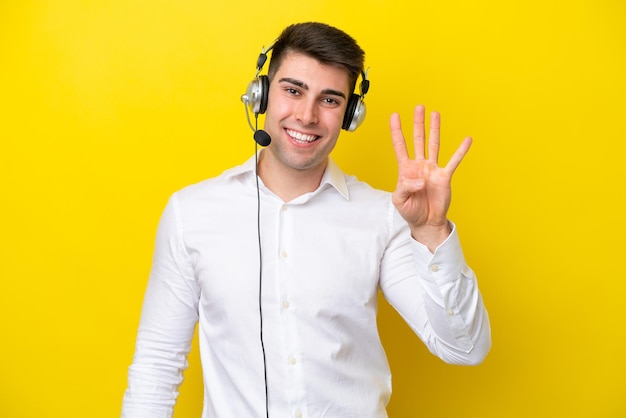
[
  {"x": 450, "y": 312},
  {"x": 285, "y": 304},
  {"x": 284, "y": 208},
  {"x": 292, "y": 360},
  {"x": 298, "y": 414},
  {"x": 434, "y": 268},
  {"x": 283, "y": 254}
]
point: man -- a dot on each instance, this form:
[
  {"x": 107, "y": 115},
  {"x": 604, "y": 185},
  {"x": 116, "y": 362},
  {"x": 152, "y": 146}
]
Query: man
[{"x": 282, "y": 270}]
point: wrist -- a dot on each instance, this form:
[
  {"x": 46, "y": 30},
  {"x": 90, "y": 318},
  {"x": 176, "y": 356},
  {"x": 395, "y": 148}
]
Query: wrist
[{"x": 432, "y": 236}]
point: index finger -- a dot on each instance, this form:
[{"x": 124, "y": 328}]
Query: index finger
[{"x": 458, "y": 155}]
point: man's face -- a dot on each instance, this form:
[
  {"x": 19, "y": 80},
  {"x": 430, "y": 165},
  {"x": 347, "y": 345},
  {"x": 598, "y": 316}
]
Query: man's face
[{"x": 306, "y": 104}]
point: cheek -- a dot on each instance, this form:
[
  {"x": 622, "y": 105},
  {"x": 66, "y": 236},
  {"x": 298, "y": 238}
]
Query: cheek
[
  {"x": 334, "y": 119},
  {"x": 277, "y": 109},
  {"x": 276, "y": 100},
  {"x": 275, "y": 113}
]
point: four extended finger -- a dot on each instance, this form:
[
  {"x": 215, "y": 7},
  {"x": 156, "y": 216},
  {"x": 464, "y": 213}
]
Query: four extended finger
[{"x": 399, "y": 143}]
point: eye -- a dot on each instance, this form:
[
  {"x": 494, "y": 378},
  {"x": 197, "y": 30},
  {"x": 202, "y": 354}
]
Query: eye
[
  {"x": 292, "y": 91},
  {"x": 329, "y": 101}
]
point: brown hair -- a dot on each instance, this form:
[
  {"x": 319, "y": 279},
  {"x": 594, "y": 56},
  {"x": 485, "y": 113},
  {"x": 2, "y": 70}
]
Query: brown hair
[{"x": 325, "y": 43}]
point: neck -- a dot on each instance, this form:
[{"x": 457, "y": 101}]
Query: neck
[{"x": 286, "y": 182}]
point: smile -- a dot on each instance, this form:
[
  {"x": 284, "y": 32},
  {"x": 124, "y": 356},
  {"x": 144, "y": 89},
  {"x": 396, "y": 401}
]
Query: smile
[{"x": 300, "y": 137}]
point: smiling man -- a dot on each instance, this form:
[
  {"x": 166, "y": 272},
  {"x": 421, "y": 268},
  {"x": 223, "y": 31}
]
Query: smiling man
[
  {"x": 280, "y": 260},
  {"x": 306, "y": 104}
]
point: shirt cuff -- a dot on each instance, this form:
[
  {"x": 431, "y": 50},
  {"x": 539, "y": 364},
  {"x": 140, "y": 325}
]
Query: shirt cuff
[{"x": 449, "y": 249}]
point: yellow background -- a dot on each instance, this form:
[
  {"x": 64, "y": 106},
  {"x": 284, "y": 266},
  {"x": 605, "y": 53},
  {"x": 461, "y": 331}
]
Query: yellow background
[{"x": 110, "y": 106}]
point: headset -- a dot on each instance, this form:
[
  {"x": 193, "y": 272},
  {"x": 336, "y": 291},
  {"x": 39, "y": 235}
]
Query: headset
[{"x": 256, "y": 98}]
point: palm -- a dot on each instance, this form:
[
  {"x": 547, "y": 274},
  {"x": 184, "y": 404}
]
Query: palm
[{"x": 423, "y": 192}]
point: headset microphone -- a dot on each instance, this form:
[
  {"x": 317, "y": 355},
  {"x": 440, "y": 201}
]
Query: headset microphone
[{"x": 262, "y": 138}]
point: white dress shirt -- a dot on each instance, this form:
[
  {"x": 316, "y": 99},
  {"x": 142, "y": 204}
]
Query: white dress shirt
[{"x": 325, "y": 256}]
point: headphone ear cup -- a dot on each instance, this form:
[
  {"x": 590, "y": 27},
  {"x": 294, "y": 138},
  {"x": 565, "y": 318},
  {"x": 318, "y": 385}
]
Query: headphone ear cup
[
  {"x": 355, "y": 113},
  {"x": 264, "y": 85},
  {"x": 256, "y": 94},
  {"x": 350, "y": 108}
]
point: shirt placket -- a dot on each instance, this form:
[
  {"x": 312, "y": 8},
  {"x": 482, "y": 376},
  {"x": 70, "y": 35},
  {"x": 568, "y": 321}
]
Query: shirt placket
[{"x": 293, "y": 359}]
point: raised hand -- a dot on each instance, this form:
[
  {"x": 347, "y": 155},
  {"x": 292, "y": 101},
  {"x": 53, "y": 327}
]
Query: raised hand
[{"x": 423, "y": 192}]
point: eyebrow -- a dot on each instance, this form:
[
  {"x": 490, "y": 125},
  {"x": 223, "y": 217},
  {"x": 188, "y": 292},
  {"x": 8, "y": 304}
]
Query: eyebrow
[{"x": 306, "y": 87}]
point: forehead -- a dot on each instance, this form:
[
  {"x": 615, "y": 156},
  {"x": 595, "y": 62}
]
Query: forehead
[{"x": 311, "y": 71}]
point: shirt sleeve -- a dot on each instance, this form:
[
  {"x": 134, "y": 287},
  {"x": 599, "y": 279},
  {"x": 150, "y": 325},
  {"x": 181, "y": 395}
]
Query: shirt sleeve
[
  {"x": 437, "y": 295},
  {"x": 168, "y": 319}
]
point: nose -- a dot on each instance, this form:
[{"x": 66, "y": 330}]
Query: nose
[{"x": 306, "y": 112}]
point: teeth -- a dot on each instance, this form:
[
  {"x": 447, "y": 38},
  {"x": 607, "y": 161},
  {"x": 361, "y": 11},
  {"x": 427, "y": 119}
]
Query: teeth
[{"x": 300, "y": 137}]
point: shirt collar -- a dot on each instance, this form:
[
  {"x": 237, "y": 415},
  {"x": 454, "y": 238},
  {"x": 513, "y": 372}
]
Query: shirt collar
[
  {"x": 333, "y": 176},
  {"x": 336, "y": 178}
]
